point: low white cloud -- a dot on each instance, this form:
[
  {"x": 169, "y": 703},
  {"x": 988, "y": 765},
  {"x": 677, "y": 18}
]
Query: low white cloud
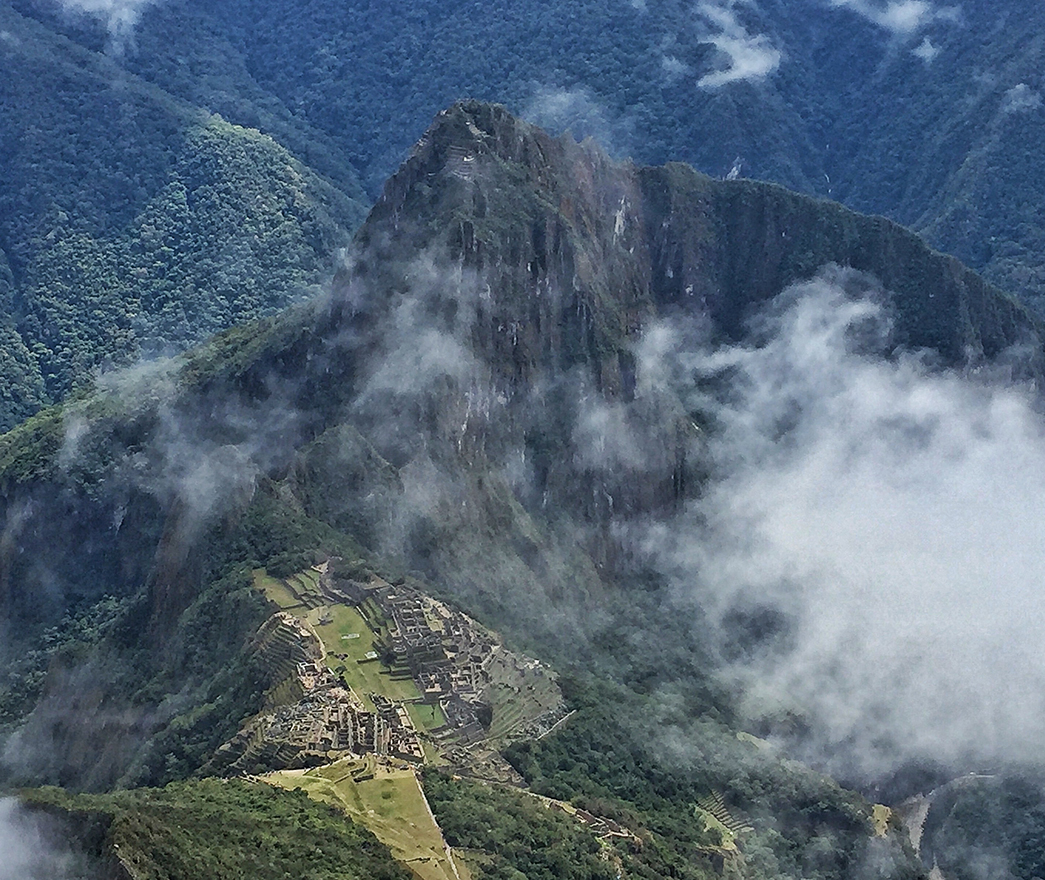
[
  {"x": 580, "y": 112},
  {"x": 673, "y": 67},
  {"x": 30, "y": 849},
  {"x": 1021, "y": 98},
  {"x": 926, "y": 51},
  {"x": 119, "y": 16},
  {"x": 902, "y": 18},
  {"x": 869, "y": 548},
  {"x": 746, "y": 56}
]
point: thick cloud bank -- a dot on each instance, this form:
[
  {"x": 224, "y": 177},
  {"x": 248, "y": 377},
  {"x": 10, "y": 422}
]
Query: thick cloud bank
[{"x": 872, "y": 544}]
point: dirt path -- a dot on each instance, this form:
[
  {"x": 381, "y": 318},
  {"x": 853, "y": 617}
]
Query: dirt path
[{"x": 449, "y": 852}]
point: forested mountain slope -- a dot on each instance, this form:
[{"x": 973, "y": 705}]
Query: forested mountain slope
[
  {"x": 132, "y": 222},
  {"x": 475, "y": 412},
  {"x": 136, "y": 221},
  {"x": 924, "y": 112}
]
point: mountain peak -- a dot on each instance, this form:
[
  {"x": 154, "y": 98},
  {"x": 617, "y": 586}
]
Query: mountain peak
[
  {"x": 557, "y": 230},
  {"x": 477, "y": 125}
]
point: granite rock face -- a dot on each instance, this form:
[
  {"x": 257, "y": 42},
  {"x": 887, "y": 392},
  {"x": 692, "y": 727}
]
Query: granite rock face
[{"x": 546, "y": 263}]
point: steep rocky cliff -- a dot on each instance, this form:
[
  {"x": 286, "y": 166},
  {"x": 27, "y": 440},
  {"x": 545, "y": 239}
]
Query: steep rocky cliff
[
  {"x": 555, "y": 228},
  {"x": 547, "y": 264}
]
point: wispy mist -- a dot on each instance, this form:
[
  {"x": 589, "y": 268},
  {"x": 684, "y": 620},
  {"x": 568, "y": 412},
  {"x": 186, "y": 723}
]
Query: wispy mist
[
  {"x": 1021, "y": 98},
  {"x": 745, "y": 56},
  {"x": 926, "y": 50},
  {"x": 29, "y": 849},
  {"x": 119, "y": 16},
  {"x": 578, "y": 111},
  {"x": 869, "y": 548},
  {"x": 902, "y": 18},
  {"x": 200, "y": 461},
  {"x": 423, "y": 351}
]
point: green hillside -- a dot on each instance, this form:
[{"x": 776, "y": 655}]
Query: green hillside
[
  {"x": 216, "y": 829},
  {"x": 133, "y": 223},
  {"x": 932, "y": 122}
]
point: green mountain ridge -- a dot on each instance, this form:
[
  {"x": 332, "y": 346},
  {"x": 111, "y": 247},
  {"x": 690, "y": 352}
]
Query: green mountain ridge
[
  {"x": 212, "y": 828},
  {"x": 135, "y": 223},
  {"x": 943, "y": 142},
  {"x": 944, "y": 145}
]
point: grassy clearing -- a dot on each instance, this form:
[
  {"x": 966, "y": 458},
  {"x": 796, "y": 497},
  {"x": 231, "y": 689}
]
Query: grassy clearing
[
  {"x": 343, "y": 621},
  {"x": 347, "y": 633},
  {"x": 275, "y": 590},
  {"x": 364, "y": 678},
  {"x": 391, "y": 805},
  {"x": 432, "y": 754},
  {"x": 425, "y": 716},
  {"x": 881, "y": 817}
]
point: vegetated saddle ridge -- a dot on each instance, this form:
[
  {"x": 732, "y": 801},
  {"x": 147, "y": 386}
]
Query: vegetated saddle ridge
[{"x": 425, "y": 425}]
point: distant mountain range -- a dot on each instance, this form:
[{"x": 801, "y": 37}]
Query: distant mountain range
[
  {"x": 134, "y": 223},
  {"x": 924, "y": 112}
]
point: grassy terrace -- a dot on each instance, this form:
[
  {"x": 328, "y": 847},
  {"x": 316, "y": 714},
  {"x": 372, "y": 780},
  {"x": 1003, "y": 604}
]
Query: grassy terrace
[
  {"x": 425, "y": 716},
  {"x": 390, "y": 804},
  {"x": 305, "y": 583},
  {"x": 276, "y": 591},
  {"x": 363, "y": 676},
  {"x": 518, "y": 694}
]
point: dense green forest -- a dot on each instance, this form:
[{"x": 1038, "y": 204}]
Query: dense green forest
[
  {"x": 134, "y": 224},
  {"x": 982, "y": 826}
]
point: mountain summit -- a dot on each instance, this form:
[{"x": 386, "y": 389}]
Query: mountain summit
[{"x": 623, "y": 243}]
